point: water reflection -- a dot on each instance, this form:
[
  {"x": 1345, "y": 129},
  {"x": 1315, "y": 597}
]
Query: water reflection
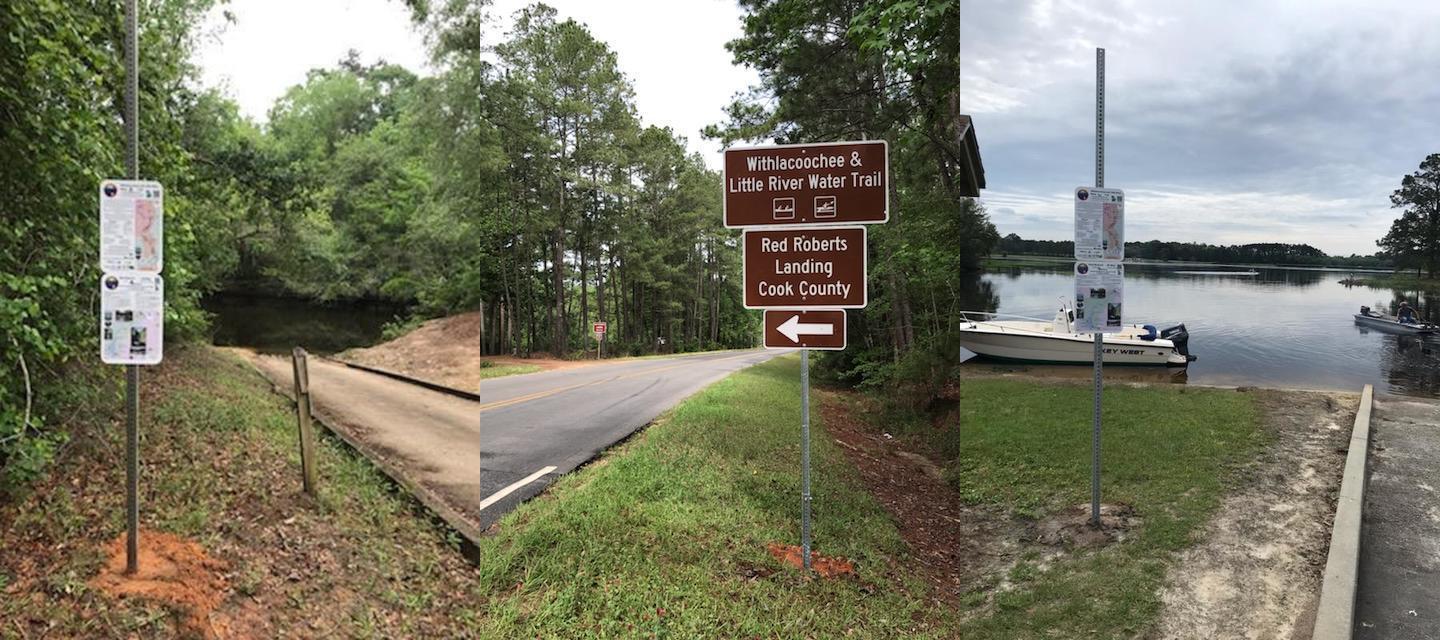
[{"x": 1278, "y": 328}]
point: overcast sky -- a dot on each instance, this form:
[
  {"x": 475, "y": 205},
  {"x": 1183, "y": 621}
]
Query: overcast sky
[
  {"x": 1227, "y": 121},
  {"x": 682, "y": 76}
]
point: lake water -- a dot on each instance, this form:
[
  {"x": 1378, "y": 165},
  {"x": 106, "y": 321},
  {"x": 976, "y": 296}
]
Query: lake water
[
  {"x": 1289, "y": 328},
  {"x": 276, "y": 325}
]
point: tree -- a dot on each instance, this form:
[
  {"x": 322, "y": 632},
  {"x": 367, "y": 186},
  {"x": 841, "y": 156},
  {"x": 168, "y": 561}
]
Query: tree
[{"x": 1414, "y": 237}]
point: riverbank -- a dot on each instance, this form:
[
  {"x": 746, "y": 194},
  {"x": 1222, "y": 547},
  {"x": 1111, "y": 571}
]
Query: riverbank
[{"x": 1393, "y": 281}]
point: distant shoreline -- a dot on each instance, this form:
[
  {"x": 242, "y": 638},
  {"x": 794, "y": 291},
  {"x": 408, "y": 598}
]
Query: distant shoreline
[{"x": 1038, "y": 260}]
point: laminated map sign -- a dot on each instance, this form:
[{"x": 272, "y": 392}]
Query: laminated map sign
[
  {"x": 132, "y": 315},
  {"x": 1099, "y": 224},
  {"x": 1099, "y": 297},
  {"x": 132, "y": 236}
]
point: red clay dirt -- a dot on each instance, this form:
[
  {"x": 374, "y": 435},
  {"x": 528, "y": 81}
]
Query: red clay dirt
[
  {"x": 955, "y": 544},
  {"x": 824, "y": 566},
  {"x": 445, "y": 351},
  {"x": 173, "y": 571}
]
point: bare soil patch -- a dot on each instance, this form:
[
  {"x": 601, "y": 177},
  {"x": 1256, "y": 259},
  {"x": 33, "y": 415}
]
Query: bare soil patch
[
  {"x": 445, "y": 351},
  {"x": 172, "y": 571},
  {"x": 1072, "y": 527},
  {"x": 1257, "y": 570},
  {"x": 956, "y": 545},
  {"x": 823, "y": 565}
]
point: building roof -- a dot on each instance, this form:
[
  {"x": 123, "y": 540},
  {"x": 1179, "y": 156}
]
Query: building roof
[{"x": 972, "y": 171}]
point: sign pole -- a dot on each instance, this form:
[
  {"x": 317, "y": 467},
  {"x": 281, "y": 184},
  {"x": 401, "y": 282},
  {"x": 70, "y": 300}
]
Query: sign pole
[
  {"x": 132, "y": 372},
  {"x": 805, "y": 456},
  {"x": 1099, "y": 337}
]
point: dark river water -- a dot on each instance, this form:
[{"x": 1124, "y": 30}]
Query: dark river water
[
  {"x": 1289, "y": 328},
  {"x": 276, "y": 325}
]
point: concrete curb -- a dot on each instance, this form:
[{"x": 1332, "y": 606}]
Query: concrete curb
[
  {"x": 1335, "y": 619},
  {"x": 470, "y": 533}
]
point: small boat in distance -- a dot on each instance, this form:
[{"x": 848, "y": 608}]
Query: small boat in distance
[
  {"x": 1383, "y": 322},
  {"x": 1022, "y": 339}
]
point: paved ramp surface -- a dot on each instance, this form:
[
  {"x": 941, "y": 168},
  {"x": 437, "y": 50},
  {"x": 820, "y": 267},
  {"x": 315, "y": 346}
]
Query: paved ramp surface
[
  {"x": 427, "y": 440},
  {"x": 540, "y": 425},
  {"x": 1398, "y": 597}
]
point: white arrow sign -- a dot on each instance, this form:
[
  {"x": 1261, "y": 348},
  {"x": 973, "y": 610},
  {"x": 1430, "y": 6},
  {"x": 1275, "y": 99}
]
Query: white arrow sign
[{"x": 794, "y": 328}]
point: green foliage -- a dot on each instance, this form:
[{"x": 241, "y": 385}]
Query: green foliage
[
  {"x": 60, "y": 90},
  {"x": 1414, "y": 237}
]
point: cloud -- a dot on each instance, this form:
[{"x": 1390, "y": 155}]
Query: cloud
[{"x": 1225, "y": 121}]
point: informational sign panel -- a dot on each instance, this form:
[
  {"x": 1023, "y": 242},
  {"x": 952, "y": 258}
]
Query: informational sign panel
[
  {"x": 1099, "y": 224},
  {"x": 805, "y": 268},
  {"x": 132, "y": 238},
  {"x": 132, "y": 318},
  {"x": 810, "y": 184},
  {"x": 1099, "y": 297},
  {"x": 600, "y": 329},
  {"x": 791, "y": 328}
]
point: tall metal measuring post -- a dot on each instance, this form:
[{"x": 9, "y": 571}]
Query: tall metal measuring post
[
  {"x": 1099, "y": 337},
  {"x": 805, "y": 455},
  {"x": 132, "y": 372}
]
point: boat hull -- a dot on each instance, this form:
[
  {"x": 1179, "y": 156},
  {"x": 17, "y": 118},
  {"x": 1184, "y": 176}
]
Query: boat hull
[
  {"x": 1385, "y": 324},
  {"x": 1068, "y": 349}
]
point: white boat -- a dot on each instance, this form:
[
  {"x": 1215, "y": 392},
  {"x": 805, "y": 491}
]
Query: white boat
[
  {"x": 1391, "y": 324},
  {"x": 1022, "y": 339}
]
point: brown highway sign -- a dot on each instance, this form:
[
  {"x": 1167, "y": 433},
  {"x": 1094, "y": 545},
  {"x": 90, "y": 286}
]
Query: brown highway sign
[
  {"x": 811, "y": 184},
  {"x": 817, "y": 329},
  {"x": 805, "y": 268}
]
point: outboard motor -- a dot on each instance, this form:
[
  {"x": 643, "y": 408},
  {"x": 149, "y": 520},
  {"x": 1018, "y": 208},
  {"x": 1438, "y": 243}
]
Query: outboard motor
[{"x": 1181, "y": 338}]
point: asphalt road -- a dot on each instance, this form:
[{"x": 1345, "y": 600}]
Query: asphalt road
[
  {"x": 537, "y": 426},
  {"x": 1399, "y": 591}
]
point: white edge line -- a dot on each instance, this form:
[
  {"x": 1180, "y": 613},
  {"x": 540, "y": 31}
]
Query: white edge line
[{"x": 498, "y": 495}]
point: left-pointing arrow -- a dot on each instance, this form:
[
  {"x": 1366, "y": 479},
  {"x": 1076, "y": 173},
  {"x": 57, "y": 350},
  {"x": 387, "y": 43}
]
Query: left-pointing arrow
[{"x": 794, "y": 328}]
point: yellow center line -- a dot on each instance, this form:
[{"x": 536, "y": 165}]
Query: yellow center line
[{"x": 550, "y": 392}]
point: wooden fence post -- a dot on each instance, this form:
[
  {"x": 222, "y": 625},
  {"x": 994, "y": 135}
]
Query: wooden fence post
[{"x": 302, "y": 412}]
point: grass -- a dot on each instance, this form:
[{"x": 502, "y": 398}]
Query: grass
[
  {"x": 489, "y": 369},
  {"x": 220, "y": 465},
  {"x": 1406, "y": 281},
  {"x": 661, "y": 538},
  {"x": 1169, "y": 452}
]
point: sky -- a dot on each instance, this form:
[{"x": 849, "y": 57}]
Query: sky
[
  {"x": 682, "y": 77},
  {"x": 1227, "y": 121}
]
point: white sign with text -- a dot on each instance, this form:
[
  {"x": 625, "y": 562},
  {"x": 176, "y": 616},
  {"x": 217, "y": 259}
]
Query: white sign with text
[
  {"x": 1099, "y": 297},
  {"x": 132, "y": 220},
  {"x": 132, "y": 318},
  {"x": 1099, "y": 224}
]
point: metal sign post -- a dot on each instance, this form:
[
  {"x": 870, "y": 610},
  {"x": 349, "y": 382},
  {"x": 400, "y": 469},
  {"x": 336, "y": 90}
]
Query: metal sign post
[
  {"x": 1099, "y": 337},
  {"x": 803, "y": 269},
  {"x": 132, "y": 372},
  {"x": 805, "y": 456}
]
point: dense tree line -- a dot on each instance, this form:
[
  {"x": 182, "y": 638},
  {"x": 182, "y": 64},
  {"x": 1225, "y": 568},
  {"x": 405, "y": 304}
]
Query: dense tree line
[{"x": 1276, "y": 253}]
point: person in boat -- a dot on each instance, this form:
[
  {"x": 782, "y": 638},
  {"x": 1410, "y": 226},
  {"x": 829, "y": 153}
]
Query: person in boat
[{"x": 1405, "y": 314}]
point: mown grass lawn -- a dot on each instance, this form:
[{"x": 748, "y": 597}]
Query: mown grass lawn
[
  {"x": 498, "y": 370},
  {"x": 1170, "y": 452},
  {"x": 664, "y": 537}
]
